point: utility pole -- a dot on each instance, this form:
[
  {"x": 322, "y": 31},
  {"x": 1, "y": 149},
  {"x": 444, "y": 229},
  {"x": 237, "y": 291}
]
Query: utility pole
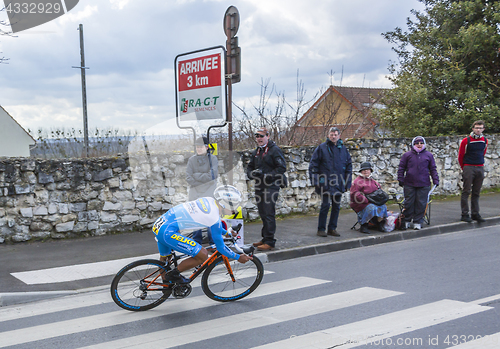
[{"x": 84, "y": 95}]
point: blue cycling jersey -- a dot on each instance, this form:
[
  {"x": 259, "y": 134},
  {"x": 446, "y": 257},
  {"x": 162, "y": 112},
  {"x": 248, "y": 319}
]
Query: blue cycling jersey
[{"x": 197, "y": 214}]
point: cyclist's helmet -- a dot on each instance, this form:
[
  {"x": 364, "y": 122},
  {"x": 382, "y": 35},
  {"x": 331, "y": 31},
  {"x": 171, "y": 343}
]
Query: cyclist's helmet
[{"x": 228, "y": 197}]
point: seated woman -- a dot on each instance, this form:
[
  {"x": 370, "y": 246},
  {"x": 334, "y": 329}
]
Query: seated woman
[{"x": 365, "y": 210}]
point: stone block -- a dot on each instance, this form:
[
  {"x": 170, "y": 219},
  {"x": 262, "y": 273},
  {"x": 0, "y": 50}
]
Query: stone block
[
  {"x": 63, "y": 208},
  {"x": 128, "y": 205},
  {"x": 109, "y": 206},
  {"x": 95, "y": 205},
  {"x": 44, "y": 178},
  {"x": 123, "y": 195},
  {"x": 114, "y": 183},
  {"x": 78, "y": 207},
  {"x": 108, "y": 217},
  {"x": 52, "y": 208},
  {"x": 80, "y": 227},
  {"x": 26, "y": 212},
  {"x": 22, "y": 189},
  {"x": 103, "y": 175},
  {"x": 40, "y": 226},
  {"x": 69, "y": 217},
  {"x": 40, "y": 211},
  {"x": 65, "y": 227},
  {"x": 40, "y": 234},
  {"x": 130, "y": 218},
  {"x": 21, "y": 237}
]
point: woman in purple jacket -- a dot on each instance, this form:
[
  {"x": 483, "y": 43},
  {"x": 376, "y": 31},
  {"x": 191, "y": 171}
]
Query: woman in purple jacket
[{"x": 414, "y": 172}]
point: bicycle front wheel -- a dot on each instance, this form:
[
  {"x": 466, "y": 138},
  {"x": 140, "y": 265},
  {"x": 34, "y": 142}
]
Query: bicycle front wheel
[
  {"x": 133, "y": 289},
  {"x": 218, "y": 285}
]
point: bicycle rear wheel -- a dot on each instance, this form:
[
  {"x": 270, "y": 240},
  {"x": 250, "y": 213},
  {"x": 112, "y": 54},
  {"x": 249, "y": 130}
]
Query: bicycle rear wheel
[
  {"x": 131, "y": 288},
  {"x": 217, "y": 284}
]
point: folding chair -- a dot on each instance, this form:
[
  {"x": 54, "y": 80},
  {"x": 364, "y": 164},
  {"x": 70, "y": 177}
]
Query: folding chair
[{"x": 427, "y": 214}]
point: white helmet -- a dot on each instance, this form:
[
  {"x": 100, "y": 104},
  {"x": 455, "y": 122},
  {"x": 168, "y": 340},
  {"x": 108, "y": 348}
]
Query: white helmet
[{"x": 228, "y": 197}]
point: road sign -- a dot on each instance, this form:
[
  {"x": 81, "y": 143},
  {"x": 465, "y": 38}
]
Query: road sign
[{"x": 200, "y": 87}]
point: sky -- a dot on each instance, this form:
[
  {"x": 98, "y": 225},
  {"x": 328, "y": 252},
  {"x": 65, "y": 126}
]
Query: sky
[{"x": 131, "y": 45}]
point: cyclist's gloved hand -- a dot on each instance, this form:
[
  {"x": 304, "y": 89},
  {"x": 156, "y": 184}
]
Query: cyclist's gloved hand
[
  {"x": 401, "y": 184},
  {"x": 244, "y": 258}
]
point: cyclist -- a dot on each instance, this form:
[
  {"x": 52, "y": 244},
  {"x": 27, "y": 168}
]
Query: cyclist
[{"x": 205, "y": 212}]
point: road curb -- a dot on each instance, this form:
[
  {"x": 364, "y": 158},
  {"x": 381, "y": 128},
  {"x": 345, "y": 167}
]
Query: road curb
[
  {"x": 13, "y": 298},
  {"x": 371, "y": 240}
]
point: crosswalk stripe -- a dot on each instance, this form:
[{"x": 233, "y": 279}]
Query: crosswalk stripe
[
  {"x": 224, "y": 326},
  {"x": 375, "y": 329},
  {"x": 486, "y": 342},
  {"x": 97, "y": 296},
  {"x": 76, "y": 272},
  {"x": 487, "y": 299},
  {"x": 41, "y": 332}
]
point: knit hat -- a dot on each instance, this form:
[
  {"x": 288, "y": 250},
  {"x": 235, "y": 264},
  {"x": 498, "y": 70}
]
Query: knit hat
[{"x": 200, "y": 141}]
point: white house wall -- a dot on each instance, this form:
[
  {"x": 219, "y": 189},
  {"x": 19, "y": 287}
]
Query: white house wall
[{"x": 14, "y": 141}]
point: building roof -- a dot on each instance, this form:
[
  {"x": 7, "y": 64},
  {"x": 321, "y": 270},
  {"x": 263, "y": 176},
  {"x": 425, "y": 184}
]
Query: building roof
[{"x": 361, "y": 98}]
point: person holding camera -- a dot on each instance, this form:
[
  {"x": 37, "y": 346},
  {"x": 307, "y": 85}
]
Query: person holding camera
[{"x": 267, "y": 167}]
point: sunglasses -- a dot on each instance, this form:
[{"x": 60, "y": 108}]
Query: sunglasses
[
  {"x": 419, "y": 142},
  {"x": 258, "y": 135}
]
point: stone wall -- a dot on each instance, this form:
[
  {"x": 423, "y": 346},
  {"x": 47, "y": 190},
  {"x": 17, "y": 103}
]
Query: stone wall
[{"x": 54, "y": 199}]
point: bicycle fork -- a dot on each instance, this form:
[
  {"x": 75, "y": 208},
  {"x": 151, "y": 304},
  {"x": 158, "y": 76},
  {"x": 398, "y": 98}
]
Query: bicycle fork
[{"x": 229, "y": 269}]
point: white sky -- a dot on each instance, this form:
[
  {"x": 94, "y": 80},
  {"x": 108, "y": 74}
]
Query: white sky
[{"x": 130, "y": 47}]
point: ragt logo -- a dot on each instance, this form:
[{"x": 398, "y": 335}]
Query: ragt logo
[{"x": 208, "y": 102}]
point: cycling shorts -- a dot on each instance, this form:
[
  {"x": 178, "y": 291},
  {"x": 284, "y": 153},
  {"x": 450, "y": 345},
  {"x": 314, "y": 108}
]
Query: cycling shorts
[{"x": 171, "y": 239}]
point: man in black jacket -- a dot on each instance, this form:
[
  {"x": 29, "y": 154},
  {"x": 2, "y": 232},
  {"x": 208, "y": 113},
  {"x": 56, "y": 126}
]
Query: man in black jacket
[
  {"x": 267, "y": 167},
  {"x": 330, "y": 170}
]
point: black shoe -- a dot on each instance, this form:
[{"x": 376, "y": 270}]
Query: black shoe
[
  {"x": 364, "y": 229},
  {"x": 478, "y": 218},
  {"x": 466, "y": 218},
  {"x": 333, "y": 232},
  {"x": 174, "y": 277},
  {"x": 321, "y": 233}
]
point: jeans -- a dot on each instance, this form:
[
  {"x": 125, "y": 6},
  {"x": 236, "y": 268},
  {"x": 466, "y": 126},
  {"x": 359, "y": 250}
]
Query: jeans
[
  {"x": 325, "y": 207},
  {"x": 415, "y": 203},
  {"x": 473, "y": 181},
  {"x": 266, "y": 203}
]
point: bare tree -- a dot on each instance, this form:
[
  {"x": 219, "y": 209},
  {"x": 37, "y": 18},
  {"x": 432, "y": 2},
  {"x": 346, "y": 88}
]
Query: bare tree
[
  {"x": 294, "y": 123},
  {"x": 5, "y": 33}
]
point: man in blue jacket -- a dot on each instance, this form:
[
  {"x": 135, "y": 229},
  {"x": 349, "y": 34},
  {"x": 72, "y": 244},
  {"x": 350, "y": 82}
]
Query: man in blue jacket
[{"x": 330, "y": 171}]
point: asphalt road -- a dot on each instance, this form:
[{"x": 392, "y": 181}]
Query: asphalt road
[{"x": 432, "y": 292}]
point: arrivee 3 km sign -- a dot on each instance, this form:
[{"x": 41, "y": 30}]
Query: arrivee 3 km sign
[{"x": 200, "y": 86}]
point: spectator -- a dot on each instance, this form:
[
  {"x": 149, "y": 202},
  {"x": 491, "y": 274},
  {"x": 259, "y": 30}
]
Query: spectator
[
  {"x": 415, "y": 168},
  {"x": 201, "y": 175},
  {"x": 471, "y": 159},
  {"x": 267, "y": 167},
  {"x": 365, "y": 210},
  {"x": 330, "y": 171}
]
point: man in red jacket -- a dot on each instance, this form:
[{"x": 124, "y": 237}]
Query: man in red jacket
[{"x": 471, "y": 159}]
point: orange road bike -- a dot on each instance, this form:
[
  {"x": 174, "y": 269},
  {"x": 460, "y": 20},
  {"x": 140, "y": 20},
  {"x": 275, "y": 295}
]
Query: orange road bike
[{"x": 139, "y": 286}]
